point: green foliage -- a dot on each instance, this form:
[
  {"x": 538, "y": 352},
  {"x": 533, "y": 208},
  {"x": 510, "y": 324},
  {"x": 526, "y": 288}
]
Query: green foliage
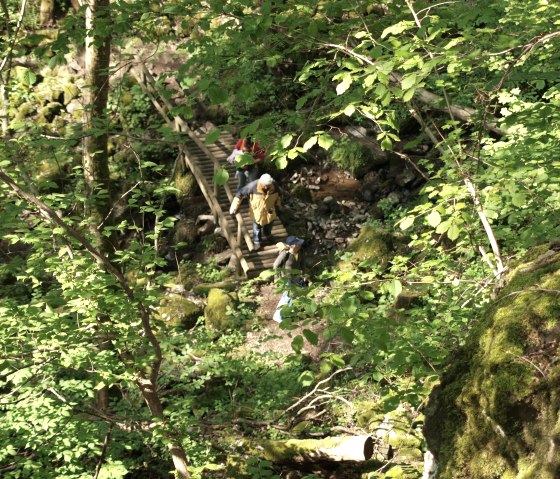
[
  {"x": 351, "y": 156},
  {"x": 290, "y": 74}
]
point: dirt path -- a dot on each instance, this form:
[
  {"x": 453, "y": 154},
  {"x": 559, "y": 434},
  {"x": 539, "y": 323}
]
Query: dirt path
[{"x": 272, "y": 339}]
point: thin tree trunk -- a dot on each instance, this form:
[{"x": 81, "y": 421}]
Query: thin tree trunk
[
  {"x": 6, "y": 62},
  {"x": 499, "y": 269},
  {"x": 96, "y": 92},
  {"x": 3, "y": 108},
  {"x": 148, "y": 389}
]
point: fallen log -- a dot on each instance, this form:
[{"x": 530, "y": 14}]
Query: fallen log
[{"x": 329, "y": 449}]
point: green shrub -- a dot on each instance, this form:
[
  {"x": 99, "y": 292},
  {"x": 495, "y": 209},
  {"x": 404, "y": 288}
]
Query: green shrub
[{"x": 351, "y": 156}]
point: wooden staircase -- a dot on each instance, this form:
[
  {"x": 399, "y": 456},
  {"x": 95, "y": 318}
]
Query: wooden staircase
[{"x": 204, "y": 160}]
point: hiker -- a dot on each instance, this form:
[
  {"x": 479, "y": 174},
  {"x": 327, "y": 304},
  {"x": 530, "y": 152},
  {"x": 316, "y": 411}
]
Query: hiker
[
  {"x": 264, "y": 198},
  {"x": 246, "y": 170},
  {"x": 291, "y": 257}
]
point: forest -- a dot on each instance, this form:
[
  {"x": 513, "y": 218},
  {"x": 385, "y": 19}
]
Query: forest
[{"x": 415, "y": 145}]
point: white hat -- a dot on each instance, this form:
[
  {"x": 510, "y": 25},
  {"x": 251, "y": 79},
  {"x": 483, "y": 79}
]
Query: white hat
[{"x": 265, "y": 180}]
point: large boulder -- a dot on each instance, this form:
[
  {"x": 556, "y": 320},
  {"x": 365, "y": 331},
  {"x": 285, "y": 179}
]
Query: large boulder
[
  {"x": 496, "y": 413},
  {"x": 178, "y": 311},
  {"x": 373, "y": 245},
  {"x": 216, "y": 311}
]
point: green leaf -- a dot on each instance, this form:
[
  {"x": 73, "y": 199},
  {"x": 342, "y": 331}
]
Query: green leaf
[
  {"x": 212, "y": 136},
  {"x": 393, "y": 287},
  {"x": 453, "y": 231},
  {"x": 281, "y": 162},
  {"x": 442, "y": 227},
  {"x": 406, "y": 223},
  {"x": 408, "y": 81},
  {"x": 433, "y": 219},
  {"x": 367, "y": 295},
  {"x": 349, "y": 110},
  {"x": 344, "y": 84},
  {"x": 306, "y": 378},
  {"x": 244, "y": 159},
  {"x": 286, "y": 140},
  {"x": 310, "y": 336},
  {"x": 347, "y": 334},
  {"x": 297, "y": 343},
  {"x": 408, "y": 94},
  {"x": 217, "y": 95},
  {"x": 370, "y": 79},
  {"x": 221, "y": 177},
  {"x": 310, "y": 143},
  {"x": 29, "y": 77},
  {"x": 325, "y": 141},
  {"x": 518, "y": 199},
  {"x": 386, "y": 143},
  {"x": 397, "y": 28}
]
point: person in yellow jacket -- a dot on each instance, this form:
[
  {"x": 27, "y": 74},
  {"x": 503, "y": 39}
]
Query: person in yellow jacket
[{"x": 264, "y": 198}]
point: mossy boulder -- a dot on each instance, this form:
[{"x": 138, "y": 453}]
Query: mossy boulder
[
  {"x": 184, "y": 231},
  {"x": 49, "y": 112},
  {"x": 179, "y": 312},
  {"x": 496, "y": 413},
  {"x": 216, "y": 310},
  {"x": 186, "y": 185},
  {"x": 25, "y": 110},
  {"x": 374, "y": 244}
]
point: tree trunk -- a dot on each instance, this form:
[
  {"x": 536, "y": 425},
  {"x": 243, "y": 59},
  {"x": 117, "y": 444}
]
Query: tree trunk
[
  {"x": 3, "y": 109},
  {"x": 154, "y": 403},
  {"x": 330, "y": 449},
  {"x": 96, "y": 91},
  {"x": 46, "y": 12}
]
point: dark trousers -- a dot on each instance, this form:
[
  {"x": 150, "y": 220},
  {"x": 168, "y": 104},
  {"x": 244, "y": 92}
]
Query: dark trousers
[{"x": 259, "y": 231}]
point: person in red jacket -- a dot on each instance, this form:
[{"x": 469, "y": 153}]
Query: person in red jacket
[{"x": 246, "y": 156}]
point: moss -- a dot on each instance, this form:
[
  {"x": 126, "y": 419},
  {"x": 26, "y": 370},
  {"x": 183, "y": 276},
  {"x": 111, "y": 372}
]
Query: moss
[
  {"x": 368, "y": 412},
  {"x": 49, "y": 174},
  {"x": 400, "y": 472},
  {"x": 49, "y": 111},
  {"x": 351, "y": 156},
  {"x": 281, "y": 451},
  {"x": 179, "y": 312},
  {"x": 373, "y": 244},
  {"x": 497, "y": 412},
  {"x": 184, "y": 232},
  {"x": 25, "y": 110},
  {"x": 216, "y": 310},
  {"x": 185, "y": 185}
]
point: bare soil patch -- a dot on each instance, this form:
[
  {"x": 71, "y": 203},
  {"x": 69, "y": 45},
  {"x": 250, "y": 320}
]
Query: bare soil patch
[{"x": 271, "y": 338}]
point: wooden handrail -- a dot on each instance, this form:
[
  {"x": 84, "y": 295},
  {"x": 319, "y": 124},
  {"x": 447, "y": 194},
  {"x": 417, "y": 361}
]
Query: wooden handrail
[
  {"x": 147, "y": 78},
  {"x": 178, "y": 124}
]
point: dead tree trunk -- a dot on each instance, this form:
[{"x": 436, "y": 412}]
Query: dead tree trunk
[{"x": 330, "y": 449}]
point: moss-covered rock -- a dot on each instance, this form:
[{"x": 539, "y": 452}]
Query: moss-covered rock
[
  {"x": 179, "y": 312},
  {"x": 497, "y": 411},
  {"x": 24, "y": 111},
  {"x": 185, "y": 185},
  {"x": 216, "y": 310},
  {"x": 184, "y": 231},
  {"x": 373, "y": 244},
  {"x": 49, "y": 111}
]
